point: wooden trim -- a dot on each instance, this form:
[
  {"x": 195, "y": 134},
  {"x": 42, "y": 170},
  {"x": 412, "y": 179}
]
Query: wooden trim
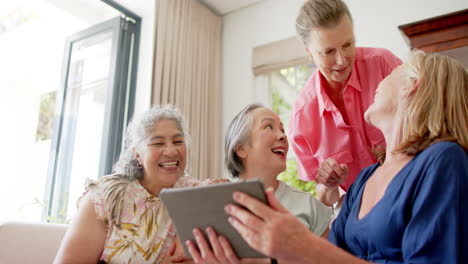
[
  {"x": 439, "y": 33},
  {"x": 452, "y": 44},
  {"x": 442, "y": 36}
]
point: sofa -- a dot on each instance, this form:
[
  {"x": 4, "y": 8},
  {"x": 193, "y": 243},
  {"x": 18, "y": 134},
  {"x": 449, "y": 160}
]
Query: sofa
[{"x": 22, "y": 242}]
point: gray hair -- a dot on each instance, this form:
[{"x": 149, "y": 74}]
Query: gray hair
[
  {"x": 238, "y": 133},
  {"x": 137, "y": 135},
  {"x": 319, "y": 13}
]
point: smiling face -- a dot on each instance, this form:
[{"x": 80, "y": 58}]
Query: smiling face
[
  {"x": 267, "y": 148},
  {"x": 388, "y": 96},
  {"x": 333, "y": 50},
  {"x": 164, "y": 154}
]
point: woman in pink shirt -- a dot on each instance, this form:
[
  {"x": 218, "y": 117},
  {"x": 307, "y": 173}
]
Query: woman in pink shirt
[{"x": 327, "y": 130}]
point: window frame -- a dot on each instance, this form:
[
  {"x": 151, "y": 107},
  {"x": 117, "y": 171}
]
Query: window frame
[{"x": 119, "y": 108}]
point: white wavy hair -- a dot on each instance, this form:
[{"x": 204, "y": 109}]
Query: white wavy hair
[{"x": 137, "y": 134}]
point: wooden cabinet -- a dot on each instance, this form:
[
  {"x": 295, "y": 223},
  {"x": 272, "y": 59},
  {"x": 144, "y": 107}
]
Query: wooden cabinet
[{"x": 437, "y": 34}]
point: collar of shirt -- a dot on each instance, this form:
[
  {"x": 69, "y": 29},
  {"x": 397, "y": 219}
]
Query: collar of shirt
[{"x": 324, "y": 102}]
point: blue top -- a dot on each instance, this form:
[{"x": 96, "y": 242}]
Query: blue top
[{"x": 421, "y": 218}]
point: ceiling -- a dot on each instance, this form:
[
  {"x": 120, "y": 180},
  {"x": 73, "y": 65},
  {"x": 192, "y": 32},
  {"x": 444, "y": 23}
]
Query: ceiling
[
  {"x": 223, "y": 7},
  {"x": 12, "y": 13},
  {"x": 92, "y": 11}
]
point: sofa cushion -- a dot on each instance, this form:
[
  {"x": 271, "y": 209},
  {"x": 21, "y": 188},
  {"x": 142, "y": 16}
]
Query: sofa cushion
[{"x": 22, "y": 242}]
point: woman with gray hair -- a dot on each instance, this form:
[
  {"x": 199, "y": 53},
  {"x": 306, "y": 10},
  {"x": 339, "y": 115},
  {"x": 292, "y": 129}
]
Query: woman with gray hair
[
  {"x": 256, "y": 147},
  {"x": 120, "y": 218},
  {"x": 327, "y": 131}
]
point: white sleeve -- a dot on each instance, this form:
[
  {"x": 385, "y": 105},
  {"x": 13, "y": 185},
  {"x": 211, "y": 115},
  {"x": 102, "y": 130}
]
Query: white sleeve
[{"x": 320, "y": 216}]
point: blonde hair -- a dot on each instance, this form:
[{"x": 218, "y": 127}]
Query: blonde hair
[
  {"x": 319, "y": 13},
  {"x": 438, "y": 109}
]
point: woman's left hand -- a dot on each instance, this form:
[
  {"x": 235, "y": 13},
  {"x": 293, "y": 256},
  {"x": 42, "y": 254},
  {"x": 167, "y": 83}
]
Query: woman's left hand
[
  {"x": 272, "y": 231},
  {"x": 219, "y": 180},
  {"x": 221, "y": 249},
  {"x": 176, "y": 254}
]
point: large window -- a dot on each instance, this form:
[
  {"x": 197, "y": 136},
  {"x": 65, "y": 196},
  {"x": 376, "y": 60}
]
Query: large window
[
  {"x": 90, "y": 116},
  {"x": 63, "y": 113},
  {"x": 279, "y": 90}
]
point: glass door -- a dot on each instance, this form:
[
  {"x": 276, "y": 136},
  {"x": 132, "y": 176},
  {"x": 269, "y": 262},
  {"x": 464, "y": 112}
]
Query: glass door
[{"x": 92, "y": 110}]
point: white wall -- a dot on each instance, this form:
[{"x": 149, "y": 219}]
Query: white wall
[
  {"x": 262, "y": 23},
  {"x": 376, "y": 23}
]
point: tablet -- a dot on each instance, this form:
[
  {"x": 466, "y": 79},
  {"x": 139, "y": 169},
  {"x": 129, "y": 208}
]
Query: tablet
[{"x": 201, "y": 207}]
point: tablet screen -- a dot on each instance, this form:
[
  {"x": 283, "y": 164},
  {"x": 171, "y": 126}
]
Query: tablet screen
[{"x": 201, "y": 207}]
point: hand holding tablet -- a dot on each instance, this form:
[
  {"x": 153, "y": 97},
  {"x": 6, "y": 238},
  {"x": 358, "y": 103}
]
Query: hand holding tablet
[{"x": 202, "y": 207}]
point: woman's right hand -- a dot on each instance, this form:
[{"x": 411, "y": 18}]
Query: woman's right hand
[
  {"x": 331, "y": 174},
  {"x": 329, "y": 177}
]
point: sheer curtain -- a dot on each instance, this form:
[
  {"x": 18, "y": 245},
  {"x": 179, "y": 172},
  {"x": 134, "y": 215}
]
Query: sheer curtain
[{"x": 187, "y": 74}]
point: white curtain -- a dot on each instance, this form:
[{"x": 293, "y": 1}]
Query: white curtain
[{"x": 187, "y": 74}]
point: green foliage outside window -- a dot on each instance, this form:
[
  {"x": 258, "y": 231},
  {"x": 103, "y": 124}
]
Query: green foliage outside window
[
  {"x": 289, "y": 176},
  {"x": 289, "y": 80},
  {"x": 46, "y": 117},
  {"x": 279, "y": 105}
]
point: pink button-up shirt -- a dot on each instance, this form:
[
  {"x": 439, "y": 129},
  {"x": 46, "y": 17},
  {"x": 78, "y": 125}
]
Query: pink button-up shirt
[{"x": 317, "y": 130}]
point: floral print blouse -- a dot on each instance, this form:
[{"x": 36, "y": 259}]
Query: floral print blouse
[{"x": 145, "y": 232}]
